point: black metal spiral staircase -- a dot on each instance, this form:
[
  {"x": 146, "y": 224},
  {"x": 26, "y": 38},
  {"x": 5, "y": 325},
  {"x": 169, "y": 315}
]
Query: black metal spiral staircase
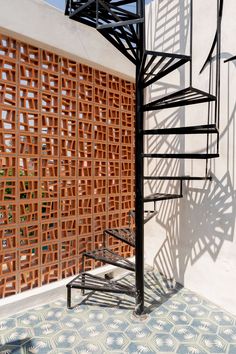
[{"x": 125, "y": 29}]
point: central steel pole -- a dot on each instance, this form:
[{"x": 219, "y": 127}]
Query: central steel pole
[{"x": 139, "y": 166}]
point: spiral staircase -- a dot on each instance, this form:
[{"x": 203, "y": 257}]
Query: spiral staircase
[{"x": 125, "y": 29}]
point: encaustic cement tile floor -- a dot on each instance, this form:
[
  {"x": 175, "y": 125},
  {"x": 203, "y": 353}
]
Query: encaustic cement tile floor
[{"x": 178, "y": 321}]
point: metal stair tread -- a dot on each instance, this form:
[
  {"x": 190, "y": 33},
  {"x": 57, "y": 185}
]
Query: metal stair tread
[
  {"x": 177, "y": 178},
  {"x": 161, "y": 196},
  {"x": 184, "y": 97},
  {"x": 93, "y": 282},
  {"x": 181, "y": 156},
  {"x": 195, "y": 129},
  {"x": 106, "y": 255},
  {"x": 126, "y": 235}
]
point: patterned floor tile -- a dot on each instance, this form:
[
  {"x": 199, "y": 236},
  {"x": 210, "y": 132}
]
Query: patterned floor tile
[
  {"x": 204, "y": 326},
  {"x": 213, "y": 343},
  {"x": 184, "y": 323},
  {"x": 185, "y": 334},
  {"x": 115, "y": 341},
  {"x": 190, "y": 349},
  {"x": 66, "y": 338},
  {"x": 86, "y": 347},
  {"x": 164, "y": 343}
]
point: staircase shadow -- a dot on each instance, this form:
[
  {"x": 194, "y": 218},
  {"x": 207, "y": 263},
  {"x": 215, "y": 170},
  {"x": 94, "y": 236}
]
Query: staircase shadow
[{"x": 158, "y": 290}]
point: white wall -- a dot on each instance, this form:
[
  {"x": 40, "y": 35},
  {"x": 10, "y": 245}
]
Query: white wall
[
  {"x": 41, "y": 24},
  {"x": 194, "y": 239}
]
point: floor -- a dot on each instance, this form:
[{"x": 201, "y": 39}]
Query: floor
[{"x": 178, "y": 321}]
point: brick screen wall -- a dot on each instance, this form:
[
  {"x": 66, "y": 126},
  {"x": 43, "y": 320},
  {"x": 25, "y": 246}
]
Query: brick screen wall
[{"x": 66, "y": 163}]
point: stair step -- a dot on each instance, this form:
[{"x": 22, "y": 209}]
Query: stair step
[
  {"x": 107, "y": 256},
  {"x": 159, "y": 64},
  {"x": 126, "y": 235},
  {"x": 177, "y": 178},
  {"x": 185, "y": 97},
  {"x": 182, "y": 156},
  {"x": 200, "y": 129},
  {"x": 88, "y": 281},
  {"x": 116, "y": 23},
  {"x": 157, "y": 197}
]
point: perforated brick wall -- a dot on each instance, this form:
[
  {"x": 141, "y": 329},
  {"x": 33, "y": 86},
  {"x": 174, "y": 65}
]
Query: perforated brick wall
[{"x": 66, "y": 164}]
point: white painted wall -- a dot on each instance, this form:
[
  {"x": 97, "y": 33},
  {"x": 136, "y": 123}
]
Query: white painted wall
[
  {"x": 194, "y": 239},
  {"x": 42, "y": 24}
]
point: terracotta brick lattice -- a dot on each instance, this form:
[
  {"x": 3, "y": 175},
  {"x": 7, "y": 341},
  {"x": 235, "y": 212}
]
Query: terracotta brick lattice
[{"x": 66, "y": 164}]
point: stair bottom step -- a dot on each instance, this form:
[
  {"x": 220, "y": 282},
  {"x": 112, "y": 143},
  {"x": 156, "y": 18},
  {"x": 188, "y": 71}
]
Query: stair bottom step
[
  {"x": 107, "y": 256},
  {"x": 87, "y": 281}
]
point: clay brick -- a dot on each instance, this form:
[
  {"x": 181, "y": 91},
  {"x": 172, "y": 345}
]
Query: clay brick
[
  {"x": 68, "y": 188},
  {"x": 85, "y": 111},
  {"x": 85, "y": 92},
  {"x": 127, "y": 152},
  {"x": 29, "y": 189},
  {"x": 7, "y": 167},
  {"x": 114, "y": 220},
  {"x": 85, "y": 168},
  {"x": 49, "y": 189},
  {"x": 85, "y": 225},
  {"x": 29, "y": 279},
  {"x": 7, "y": 213},
  {"x": 100, "y": 204},
  {"x": 68, "y": 107},
  {"x": 7, "y": 190},
  {"x": 29, "y": 235},
  {"x": 113, "y": 186},
  {"x": 127, "y": 119},
  {"x": 8, "y": 94},
  {"x": 69, "y": 68},
  {"x": 85, "y": 73},
  {"x": 114, "y": 117},
  {"x": 7, "y": 143},
  {"x": 114, "y": 83},
  {"x": 68, "y": 87},
  {"x": 29, "y": 122},
  {"x": 50, "y": 103},
  {"x": 114, "y": 152},
  {"x": 50, "y": 124},
  {"x": 99, "y": 223},
  {"x": 8, "y": 47},
  {"x": 126, "y": 185},
  {"x": 29, "y": 99},
  {"x": 29, "y": 54},
  {"x": 50, "y": 61},
  {"x": 68, "y": 147},
  {"x": 68, "y": 207},
  {"x": 49, "y": 146},
  {"x": 68, "y": 127},
  {"x": 85, "y": 130},
  {"x": 114, "y": 169},
  {"x": 86, "y": 149},
  {"x": 68, "y": 248},
  {"x": 85, "y": 187},
  {"x": 114, "y": 203},
  {"x": 49, "y": 253},
  {"x": 114, "y": 99},
  {"x": 29, "y": 211},
  {"x": 7, "y": 70},
  {"x": 126, "y": 103},
  {"x": 49, "y": 168},
  {"x": 50, "y": 231},
  {"x": 8, "y": 285},
  {"x": 50, "y": 82},
  {"x": 7, "y": 119},
  {"x": 28, "y": 167},
  {"x": 100, "y": 78},
  {"x": 29, "y": 76},
  {"x": 8, "y": 239},
  {"x": 100, "y": 186},
  {"x": 100, "y": 114},
  {"x": 68, "y": 168},
  {"x": 50, "y": 209},
  {"x": 100, "y": 96},
  {"x": 69, "y": 268},
  {"x": 100, "y": 132},
  {"x": 8, "y": 263},
  {"x": 100, "y": 150},
  {"x": 29, "y": 257},
  {"x": 100, "y": 168},
  {"x": 50, "y": 273},
  {"x": 127, "y": 87},
  {"x": 68, "y": 228},
  {"x": 28, "y": 144},
  {"x": 85, "y": 206}
]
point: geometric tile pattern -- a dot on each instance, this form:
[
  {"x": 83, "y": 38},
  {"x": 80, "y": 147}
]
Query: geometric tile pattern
[
  {"x": 170, "y": 327},
  {"x": 66, "y": 164}
]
